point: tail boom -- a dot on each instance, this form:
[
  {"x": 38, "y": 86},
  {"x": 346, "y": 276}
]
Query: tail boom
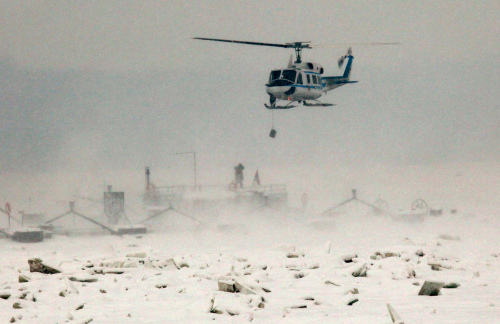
[{"x": 333, "y": 82}]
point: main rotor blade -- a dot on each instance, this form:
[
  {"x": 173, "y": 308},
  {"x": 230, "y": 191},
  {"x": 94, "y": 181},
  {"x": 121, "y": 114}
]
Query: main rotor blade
[
  {"x": 242, "y": 42},
  {"x": 356, "y": 44}
]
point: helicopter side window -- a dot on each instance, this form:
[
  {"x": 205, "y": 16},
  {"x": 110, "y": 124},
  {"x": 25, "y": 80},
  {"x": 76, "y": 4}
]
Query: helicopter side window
[
  {"x": 308, "y": 79},
  {"x": 314, "y": 79},
  {"x": 289, "y": 75},
  {"x": 299, "y": 79}
]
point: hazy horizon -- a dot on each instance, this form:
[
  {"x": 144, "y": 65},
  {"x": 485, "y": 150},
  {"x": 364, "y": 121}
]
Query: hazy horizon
[{"x": 96, "y": 89}]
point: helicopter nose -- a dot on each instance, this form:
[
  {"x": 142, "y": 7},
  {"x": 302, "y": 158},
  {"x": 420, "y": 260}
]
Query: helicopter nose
[
  {"x": 278, "y": 93},
  {"x": 274, "y": 90},
  {"x": 281, "y": 92}
]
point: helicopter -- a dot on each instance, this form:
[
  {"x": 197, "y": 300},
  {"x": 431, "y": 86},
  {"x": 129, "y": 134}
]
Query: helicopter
[{"x": 302, "y": 82}]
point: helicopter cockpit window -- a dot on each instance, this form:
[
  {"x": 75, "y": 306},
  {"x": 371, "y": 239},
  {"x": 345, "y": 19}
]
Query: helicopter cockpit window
[
  {"x": 299, "y": 79},
  {"x": 274, "y": 75},
  {"x": 308, "y": 79},
  {"x": 289, "y": 75},
  {"x": 315, "y": 80}
]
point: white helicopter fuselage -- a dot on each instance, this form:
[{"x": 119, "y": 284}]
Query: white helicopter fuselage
[
  {"x": 298, "y": 92},
  {"x": 303, "y": 81},
  {"x": 295, "y": 84}
]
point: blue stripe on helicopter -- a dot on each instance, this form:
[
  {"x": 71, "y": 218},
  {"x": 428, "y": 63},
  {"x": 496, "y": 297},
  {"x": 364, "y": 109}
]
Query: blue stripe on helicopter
[
  {"x": 304, "y": 86},
  {"x": 315, "y": 87},
  {"x": 301, "y": 86}
]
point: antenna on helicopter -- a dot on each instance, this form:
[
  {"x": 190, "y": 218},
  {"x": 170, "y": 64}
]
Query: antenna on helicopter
[
  {"x": 290, "y": 62},
  {"x": 342, "y": 59}
]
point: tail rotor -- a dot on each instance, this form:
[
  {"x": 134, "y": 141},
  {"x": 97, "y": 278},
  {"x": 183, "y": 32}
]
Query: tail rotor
[{"x": 342, "y": 59}]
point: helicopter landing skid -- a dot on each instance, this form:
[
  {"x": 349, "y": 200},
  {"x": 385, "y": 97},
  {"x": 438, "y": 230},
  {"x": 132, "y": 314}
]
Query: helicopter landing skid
[
  {"x": 317, "y": 104},
  {"x": 279, "y": 107}
]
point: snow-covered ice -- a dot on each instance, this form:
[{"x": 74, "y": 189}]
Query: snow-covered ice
[{"x": 283, "y": 271}]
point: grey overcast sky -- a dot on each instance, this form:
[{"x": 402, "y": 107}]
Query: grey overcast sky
[{"x": 91, "y": 85}]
